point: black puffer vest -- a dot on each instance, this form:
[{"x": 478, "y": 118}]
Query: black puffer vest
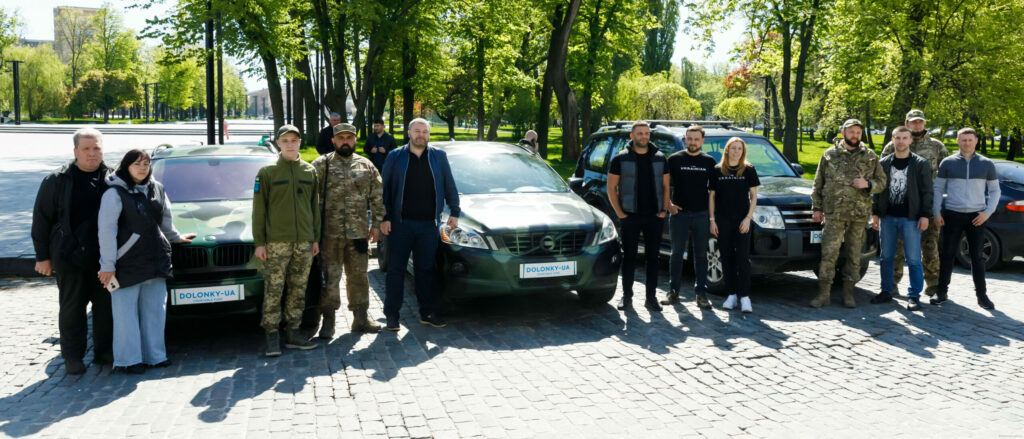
[{"x": 143, "y": 252}]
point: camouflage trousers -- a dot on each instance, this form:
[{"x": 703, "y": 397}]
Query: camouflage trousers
[
  {"x": 341, "y": 255},
  {"x": 287, "y": 263},
  {"x": 833, "y": 235},
  {"x": 929, "y": 256}
]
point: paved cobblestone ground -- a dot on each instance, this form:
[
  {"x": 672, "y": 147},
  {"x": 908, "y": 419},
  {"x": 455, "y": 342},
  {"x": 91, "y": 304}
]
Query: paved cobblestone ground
[{"x": 546, "y": 367}]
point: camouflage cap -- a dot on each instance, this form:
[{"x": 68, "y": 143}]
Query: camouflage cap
[
  {"x": 914, "y": 115},
  {"x": 288, "y": 128},
  {"x": 344, "y": 128},
  {"x": 852, "y": 122}
]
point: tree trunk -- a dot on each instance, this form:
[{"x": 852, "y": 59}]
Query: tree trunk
[
  {"x": 776, "y": 117},
  {"x": 867, "y": 127},
  {"x": 555, "y": 81},
  {"x": 498, "y": 111},
  {"x": 480, "y": 66},
  {"x": 312, "y": 107},
  {"x": 791, "y": 103},
  {"x": 909, "y": 88},
  {"x": 1015, "y": 145},
  {"x": 1002, "y": 139},
  {"x": 409, "y": 60},
  {"x": 273, "y": 89},
  {"x": 767, "y": 126}
]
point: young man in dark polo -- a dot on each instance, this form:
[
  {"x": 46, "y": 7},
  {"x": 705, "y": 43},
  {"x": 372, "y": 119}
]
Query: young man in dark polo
[{"x": 638, "y": 183}]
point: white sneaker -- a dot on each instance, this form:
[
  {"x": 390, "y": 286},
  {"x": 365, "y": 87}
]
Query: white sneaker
[
  {"x": 745, "y": 305},
  {"x": 730, "y": 302}
]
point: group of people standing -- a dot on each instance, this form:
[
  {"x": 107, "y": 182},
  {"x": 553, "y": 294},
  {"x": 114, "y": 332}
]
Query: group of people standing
[{"x": 914, "y": 194}]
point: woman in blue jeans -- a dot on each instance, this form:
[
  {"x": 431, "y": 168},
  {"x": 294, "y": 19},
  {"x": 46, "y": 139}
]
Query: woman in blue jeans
[{"x": 135, "y": 232}]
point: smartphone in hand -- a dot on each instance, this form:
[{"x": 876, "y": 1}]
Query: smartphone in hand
[{"x": 113, "y": 285}]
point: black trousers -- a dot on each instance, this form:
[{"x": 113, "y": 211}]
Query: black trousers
[
  {"x": 77, "y": 288},
  {"x": 735, "y": 248},
  {"x": 957, "y": 224},
  {"x": 632, "y": 227}
]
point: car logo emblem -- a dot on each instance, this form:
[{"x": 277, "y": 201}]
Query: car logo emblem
[{"x": 548, "y": 243}]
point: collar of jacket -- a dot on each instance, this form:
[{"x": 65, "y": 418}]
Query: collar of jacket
[
  {"x": 283, "y": 161},
  {"x": 66, "y": 168}
]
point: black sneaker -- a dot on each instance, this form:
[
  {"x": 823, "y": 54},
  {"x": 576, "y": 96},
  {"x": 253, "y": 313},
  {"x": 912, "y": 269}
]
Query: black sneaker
[
  {"x": 702, "y": 301},
  {"x": 652, "y": 304},
  {"x": 135, "y": 369},
  {"x": 392, "y": 323},
  {"x": 433, "y": 320},
  {"x": 162, "y": 364},
  {"x": 939, "y": 298},
  {"x": 882, "y": 297},
  {"x": 626, "y": 302},
  {"x": 984, "y": 302},
  {"x": 672, "y": 298},
  {"x": 293, "y": 339},
  {"x": 74, "y": 366},
  {"x": 913, "y": 304}
]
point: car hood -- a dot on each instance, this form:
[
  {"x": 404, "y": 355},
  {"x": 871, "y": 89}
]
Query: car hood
[
  {"x": 776, "y": 191},
  {"x": 529, "y": 211},
  {"x": 214, "y": 222}
]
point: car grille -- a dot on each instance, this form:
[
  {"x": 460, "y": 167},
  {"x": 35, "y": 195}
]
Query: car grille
[
  {"x": 798, "y": 217},
  {"x": 187, "y": 257},
  {"x": 232, "y": 254},
  {"x": 546, "y": 243}
]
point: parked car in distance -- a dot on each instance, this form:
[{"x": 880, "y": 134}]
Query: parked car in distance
[
  {"x": 784, "y": 238},
  {"x": 1003, "y": 237}
]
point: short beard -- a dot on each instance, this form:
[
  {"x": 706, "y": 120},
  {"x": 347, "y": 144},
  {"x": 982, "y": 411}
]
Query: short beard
[
  {"x": 919, "y": 134},
  {"x": 413, "y": 142},
  {"x": 693, "y": 149},
  {"x": 851, "y": 144},
  {"x": 346, "y": 152}
]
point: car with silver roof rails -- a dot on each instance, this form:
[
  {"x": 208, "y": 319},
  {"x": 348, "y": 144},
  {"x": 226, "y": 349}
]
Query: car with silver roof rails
[{"x": 784, "y": 238}]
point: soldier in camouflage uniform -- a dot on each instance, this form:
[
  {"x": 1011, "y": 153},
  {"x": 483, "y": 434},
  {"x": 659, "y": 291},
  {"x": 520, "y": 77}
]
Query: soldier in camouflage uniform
[
  {"x": 285, "y": 229},
  {"x": 934, "y": 151},
  {"x": 848, "y": 174},
  {"x": 350, "y": 182}
]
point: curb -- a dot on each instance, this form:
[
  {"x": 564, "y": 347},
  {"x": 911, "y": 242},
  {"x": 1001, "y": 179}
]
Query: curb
[{"x": 18, "y": 267}]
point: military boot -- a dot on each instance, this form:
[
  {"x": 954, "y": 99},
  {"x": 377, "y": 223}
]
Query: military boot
[
  {"x": 293, "y": 339},
  {"x": 273, "y": 343},
  {"x": 848, "y": 300},
  {"x": 824, "y": 293},
  {"x": 327, "y": 327},
  {"x": 362, "y": 323}
]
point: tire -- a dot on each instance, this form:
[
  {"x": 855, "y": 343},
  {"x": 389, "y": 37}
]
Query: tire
[
  {"x": 990, "y": 250},
  {"x": 382, "y": 254},
  {"x": 716, "y": 273},
  {"x": 596, "y": 297}
]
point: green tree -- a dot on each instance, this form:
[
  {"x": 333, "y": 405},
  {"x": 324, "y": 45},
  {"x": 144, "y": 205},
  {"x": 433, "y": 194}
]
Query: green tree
[
  {"x": 740, "y": 109},
  {"x": 640, "y": 96},
  {"x": 661, "y": 38},
  {"x": 9, "y": 25},
  {"x": 113, "y": 47},
  {"x": 42, "y": 80},
  {"x": 72, "y": 34},
  {"x": 107, "y": 90}
]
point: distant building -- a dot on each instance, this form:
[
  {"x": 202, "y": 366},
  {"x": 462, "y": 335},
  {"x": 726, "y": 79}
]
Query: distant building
[
  {"x": 72, "y": 27},
  {"x": 33, "y": 43}
]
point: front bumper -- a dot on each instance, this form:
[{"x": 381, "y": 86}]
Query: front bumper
[
  {"x": 774, "y": 251},
  {"x": 466, "y": 272},
  {"x": 252, "y": 302}
]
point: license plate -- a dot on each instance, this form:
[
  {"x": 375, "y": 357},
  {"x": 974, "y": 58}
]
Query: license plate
[
  {"x": 547, "y": 269},
  {"x": 816, "y": 237},
  {"x": 211, "y": 294}
]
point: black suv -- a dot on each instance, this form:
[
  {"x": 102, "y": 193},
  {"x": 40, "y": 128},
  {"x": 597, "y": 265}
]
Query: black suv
[{"x": 784, "y": 236}]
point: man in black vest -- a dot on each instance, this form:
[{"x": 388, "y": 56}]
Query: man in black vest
[
  {"x": 638, "y": 180},
  {"x": 65, "y": 237}
]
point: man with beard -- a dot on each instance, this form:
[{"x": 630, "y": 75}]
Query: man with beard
[
  {"x": 350, "y": 182},
  {"x": 848, "y": 174},
  {"x": 934, "y": 151},
  {"x": 689, "y": 171}
]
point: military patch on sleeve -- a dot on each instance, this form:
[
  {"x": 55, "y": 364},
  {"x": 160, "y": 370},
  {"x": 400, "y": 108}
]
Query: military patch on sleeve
[{"x": 256, "y": 187}]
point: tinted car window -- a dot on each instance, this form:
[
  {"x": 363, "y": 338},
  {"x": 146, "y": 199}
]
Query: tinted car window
[
  {"x": 1014, "y": 173},
  {"x": 598, "y": 157},
  {"x": 209, "y": 178},
  {"x": 760, "y": 153},
  {"x": 667, "y": 145},
  {"x": 503, "y": 172}
]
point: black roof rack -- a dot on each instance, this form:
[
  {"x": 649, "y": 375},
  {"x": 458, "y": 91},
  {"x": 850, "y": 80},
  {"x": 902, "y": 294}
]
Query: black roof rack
[{"x": 684, "y": 123}]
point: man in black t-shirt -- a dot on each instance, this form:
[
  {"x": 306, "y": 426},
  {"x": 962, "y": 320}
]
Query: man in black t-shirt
[
  {"x": 902, "y": 211},
  {"x": 638, "y": 191},
  {"x": 689, "y": 171}
]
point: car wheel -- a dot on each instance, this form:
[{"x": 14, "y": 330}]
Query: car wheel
[
  {"x": 597, "y": 297},
  {"x": 716, "y": 273},
  {"x": 990, "y": 251},
  {"x": 382, "y": 253}
]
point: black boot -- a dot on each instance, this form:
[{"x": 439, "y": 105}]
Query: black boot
[
  {"x": 651, "y": 303},
  {"x": 626, "y": 302},
  {"x": 984, "y": 302},
  {"x": 294, "y": 340},
  {"x": 273, "y": 343},
  {"x": 939, "y": 298}
]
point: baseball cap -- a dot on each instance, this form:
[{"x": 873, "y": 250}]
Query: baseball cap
[
  {"x": 344, "y": 128},
  {"x": 288, "y": 128},
  {"x": 915, "y": 114},
  {"x": 852, "y": 122}
]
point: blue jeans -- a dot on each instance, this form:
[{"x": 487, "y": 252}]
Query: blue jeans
[
  {"x": 421, "y": 239},
  {"x": 140, "y": 312},
  {"x": 680, "y": 226},
  {"x": 893, "y": 227}
]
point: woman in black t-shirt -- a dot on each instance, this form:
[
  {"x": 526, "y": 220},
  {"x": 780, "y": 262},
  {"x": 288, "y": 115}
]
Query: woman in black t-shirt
[{"x": 731, "y": 204}]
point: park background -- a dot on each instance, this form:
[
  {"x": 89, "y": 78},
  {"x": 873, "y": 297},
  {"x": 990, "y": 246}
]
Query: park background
[{"x": 490, "y": 70}]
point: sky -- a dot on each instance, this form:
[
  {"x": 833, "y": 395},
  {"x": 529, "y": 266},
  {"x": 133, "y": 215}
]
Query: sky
[{"x": 37, "y": 24}]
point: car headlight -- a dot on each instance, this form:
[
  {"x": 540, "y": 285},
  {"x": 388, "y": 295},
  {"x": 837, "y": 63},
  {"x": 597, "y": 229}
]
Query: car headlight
[
  {"x": 607, "y": 232},
  {"x": 462, "y": 236},
  {"x": 768, "y": 217}
]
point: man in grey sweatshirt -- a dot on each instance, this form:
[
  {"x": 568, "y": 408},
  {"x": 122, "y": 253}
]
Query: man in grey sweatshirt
[{"x": 971, "y": 189}]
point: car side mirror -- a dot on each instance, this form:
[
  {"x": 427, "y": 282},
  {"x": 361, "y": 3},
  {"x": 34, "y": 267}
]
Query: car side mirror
[
  {"x": 576, "y": 184},
  {"x": 798, "y": 169}
]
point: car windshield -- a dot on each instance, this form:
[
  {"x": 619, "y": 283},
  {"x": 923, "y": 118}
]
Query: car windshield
[
  {"x": 1012, "y": 173},
  {"x": 765, "y": 158},
  {"x": 209, "y": 178},
  {"x": 498, "y": 172}
]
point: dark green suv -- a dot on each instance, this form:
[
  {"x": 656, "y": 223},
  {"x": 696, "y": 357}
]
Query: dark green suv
[{"x": 211, "y": 190}]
